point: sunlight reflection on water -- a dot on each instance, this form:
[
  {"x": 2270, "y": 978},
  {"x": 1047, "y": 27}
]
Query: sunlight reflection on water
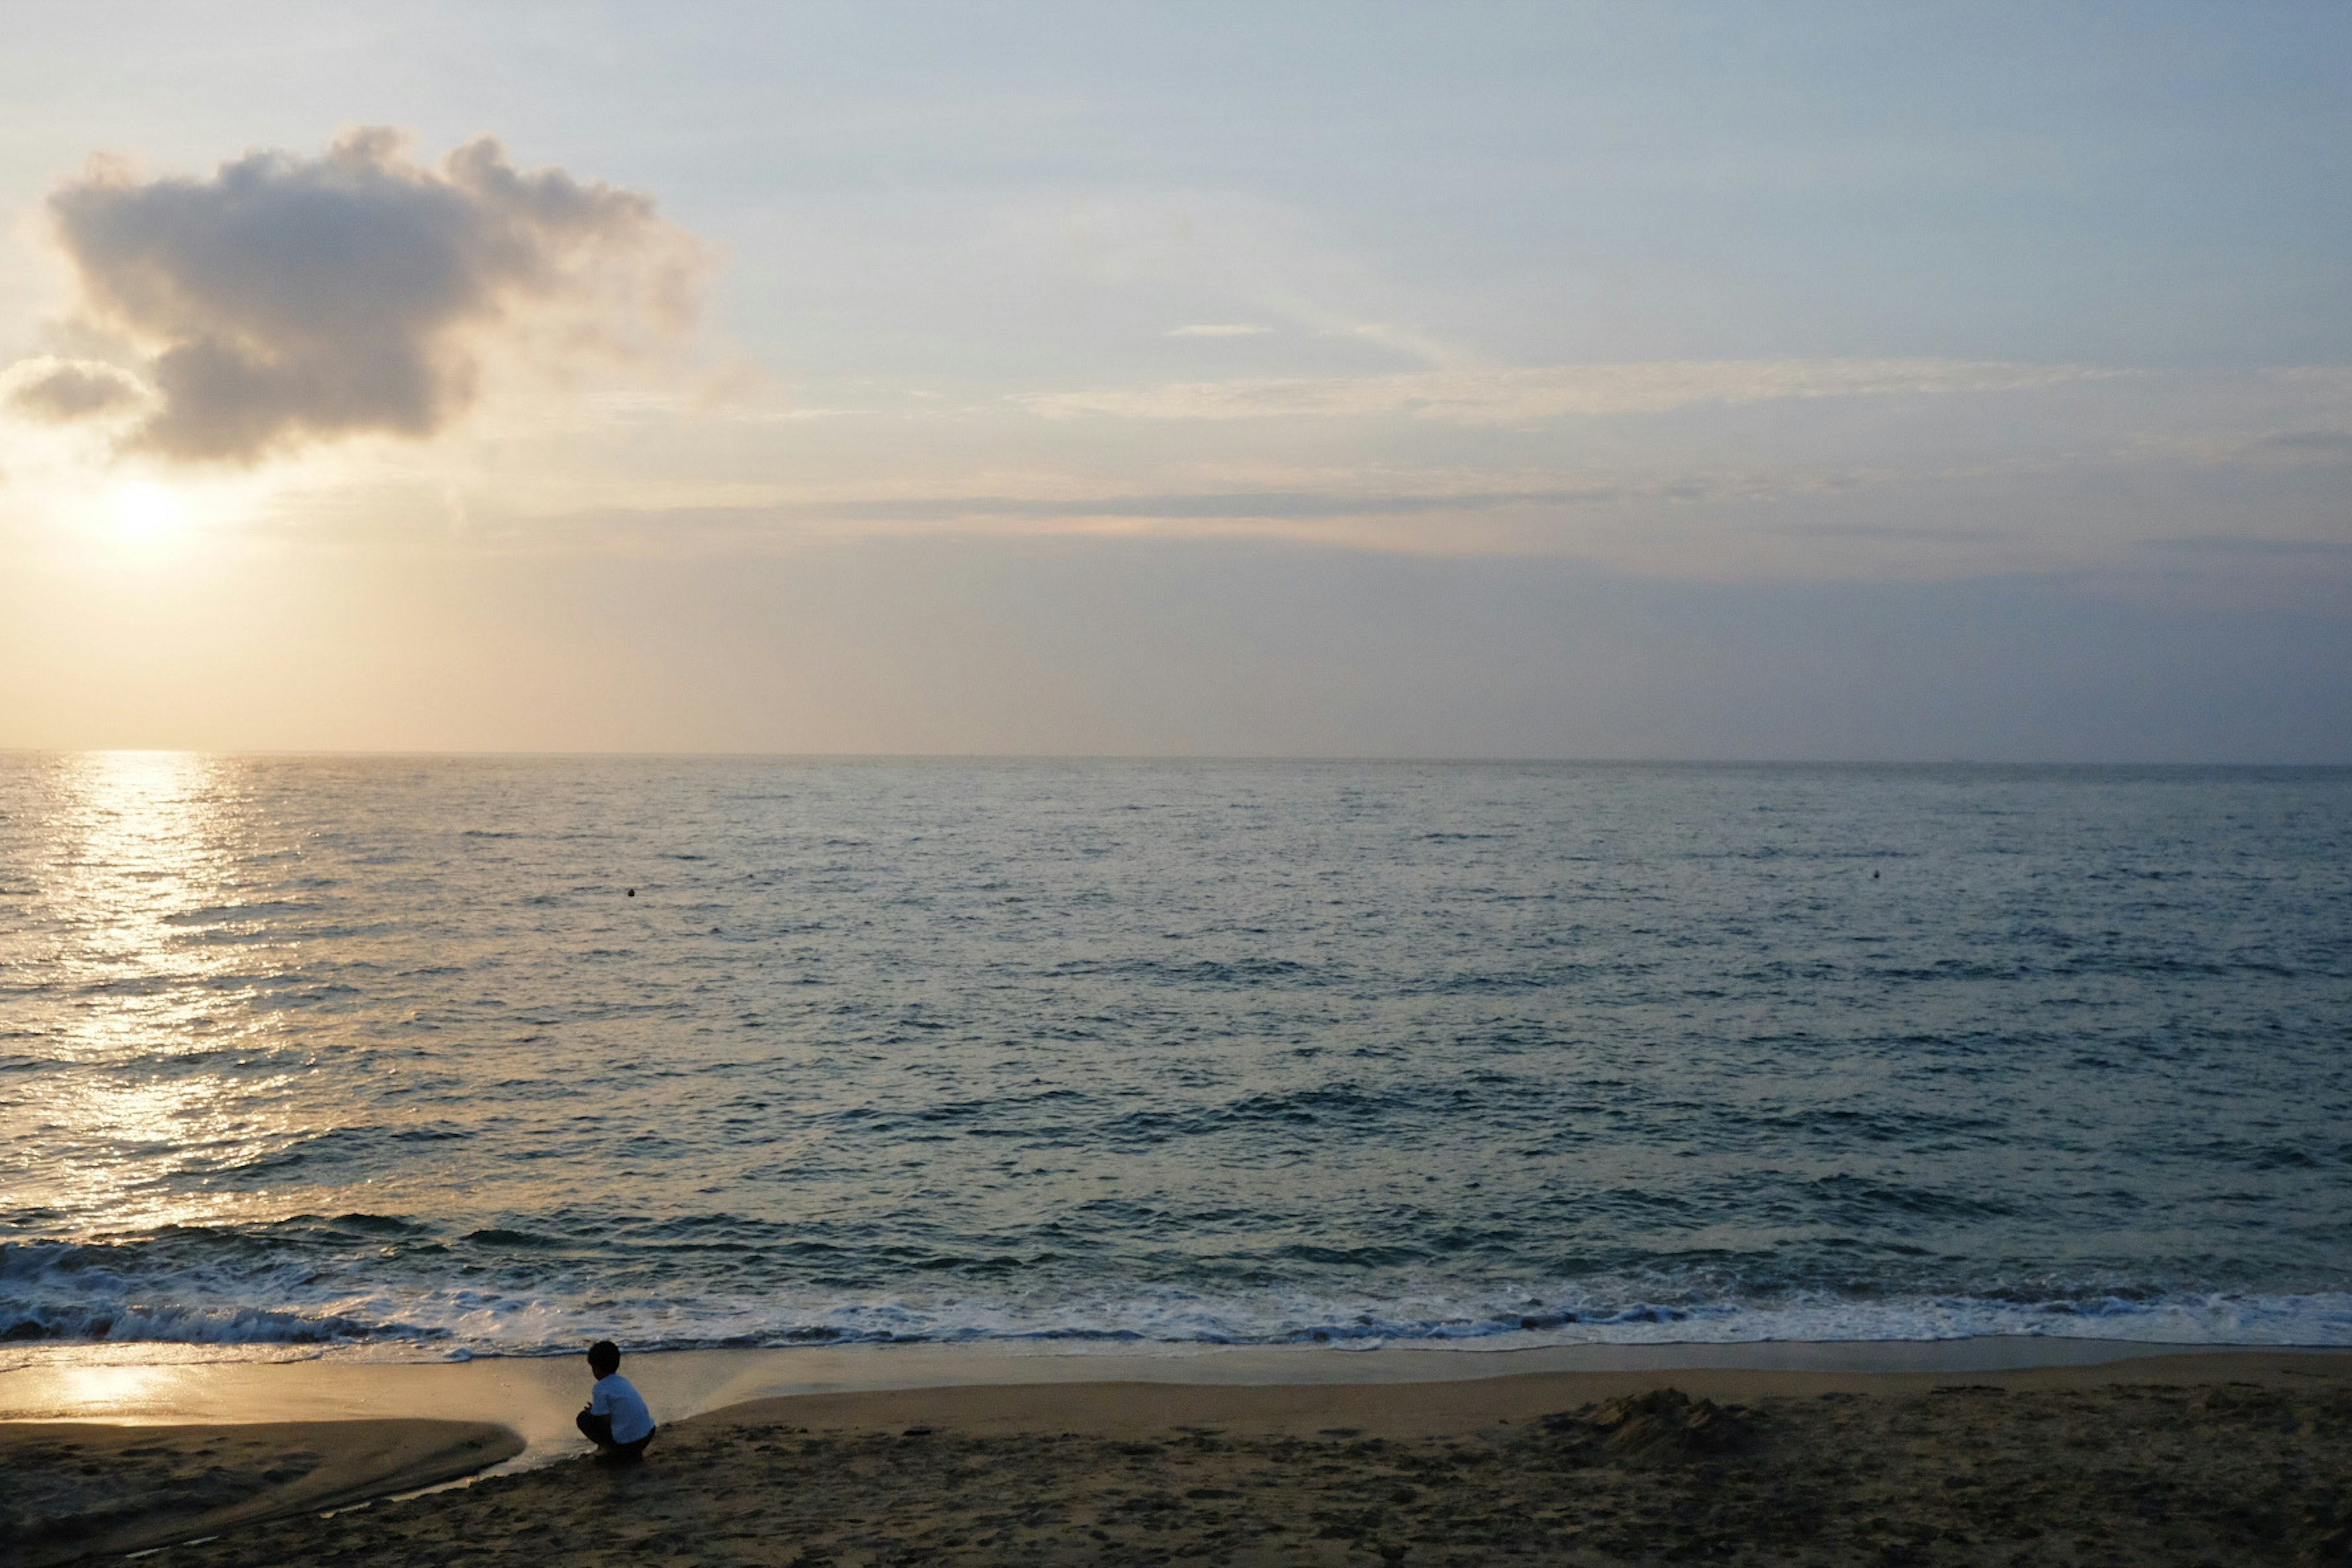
[{"x": 142, "y": 847}]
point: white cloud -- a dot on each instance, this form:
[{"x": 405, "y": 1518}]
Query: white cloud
[
  {"x": 1220, "y": 330},
  {"x": 286, "y": 301},
  {"x": 1518, "y": 396}
]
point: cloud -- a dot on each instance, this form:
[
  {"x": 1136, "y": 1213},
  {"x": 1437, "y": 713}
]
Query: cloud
[
  {"x": 2243, "y": 545},
  {"x": 1913, "y": 535},
  {"x": 1219, "y": 329},
  {"x": 1516, "y": 397},
  {"x": 1210, "y": 507},
  {"x": 1275, "y": 507},
  {"x": 1213, "y": 506},
  {"x": 59, "y": 390},
  {"x": 287, "y": 300},
  {"x": 2322, "y": 443}
]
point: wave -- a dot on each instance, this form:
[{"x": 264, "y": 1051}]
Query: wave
[{"x": 53, "y": 1292}]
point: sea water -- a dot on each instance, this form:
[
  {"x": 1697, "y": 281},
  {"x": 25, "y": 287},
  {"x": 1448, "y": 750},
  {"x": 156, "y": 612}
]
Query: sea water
[{"x": 432, "y": 1057}]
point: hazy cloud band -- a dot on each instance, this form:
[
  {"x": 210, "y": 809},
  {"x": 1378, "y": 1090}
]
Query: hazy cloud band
[{"x": 1512, "y": 396}]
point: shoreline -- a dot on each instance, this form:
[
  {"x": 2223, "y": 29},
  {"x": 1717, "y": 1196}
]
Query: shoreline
[
  {"x": 535, "y": 1396},
  {"x": 1305, "y": 1458}
]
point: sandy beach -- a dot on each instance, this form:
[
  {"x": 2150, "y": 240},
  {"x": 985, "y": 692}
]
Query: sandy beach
[
  {"x": 2224, "y": 1457},
  {"x": 71, "y": 1490}
]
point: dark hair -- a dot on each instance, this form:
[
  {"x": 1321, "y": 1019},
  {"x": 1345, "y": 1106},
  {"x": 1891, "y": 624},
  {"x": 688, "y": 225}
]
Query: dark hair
[{"x": 604, "y": 1358}]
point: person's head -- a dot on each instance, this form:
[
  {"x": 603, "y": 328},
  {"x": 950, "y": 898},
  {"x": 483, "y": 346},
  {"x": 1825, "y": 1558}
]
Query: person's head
[{"x": 604, "y": 1358}]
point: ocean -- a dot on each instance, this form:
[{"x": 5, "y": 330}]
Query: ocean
[{"x": 425, "y": 1058}]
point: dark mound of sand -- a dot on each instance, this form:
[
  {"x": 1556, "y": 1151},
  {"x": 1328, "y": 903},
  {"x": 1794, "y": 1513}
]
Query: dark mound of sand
[{"x": 70, "y": 1490}]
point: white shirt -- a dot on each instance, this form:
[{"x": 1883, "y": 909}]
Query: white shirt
[{"x": 617, "y": 1398}]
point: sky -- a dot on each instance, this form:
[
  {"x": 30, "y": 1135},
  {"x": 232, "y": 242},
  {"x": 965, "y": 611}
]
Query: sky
[{"x": 1839, "y": 382}]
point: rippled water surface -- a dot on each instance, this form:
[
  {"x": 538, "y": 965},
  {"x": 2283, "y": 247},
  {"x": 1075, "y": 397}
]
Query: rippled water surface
[{"x": 388, "y": 1051}]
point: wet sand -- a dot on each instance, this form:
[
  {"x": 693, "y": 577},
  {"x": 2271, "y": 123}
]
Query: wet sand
[
  {"x": 70, "y": 1490},
  {"x": 2242, "y": 1456},
  {"x": 536, "y": 1396}
]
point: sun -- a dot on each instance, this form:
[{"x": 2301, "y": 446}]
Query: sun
[{"x": 146, "y": 514}]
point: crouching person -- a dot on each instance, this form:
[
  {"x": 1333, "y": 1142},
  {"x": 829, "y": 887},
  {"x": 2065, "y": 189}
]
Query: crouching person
[{"x": 616, "y": 1419}]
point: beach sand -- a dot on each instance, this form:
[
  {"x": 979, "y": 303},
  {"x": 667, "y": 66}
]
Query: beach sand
[
  {"x": 2242, "y": 1457},
  {"x": 73, "y": 1488}
]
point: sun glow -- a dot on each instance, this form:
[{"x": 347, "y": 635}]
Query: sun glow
[{"x": 146, "y": 514}]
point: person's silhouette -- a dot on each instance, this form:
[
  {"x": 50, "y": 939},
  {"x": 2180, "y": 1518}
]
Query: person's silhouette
[{"x": 616, "y": 1418}]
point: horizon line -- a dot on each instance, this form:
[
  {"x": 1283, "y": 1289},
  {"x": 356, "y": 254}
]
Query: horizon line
[{"x": 1393, "y": 759}]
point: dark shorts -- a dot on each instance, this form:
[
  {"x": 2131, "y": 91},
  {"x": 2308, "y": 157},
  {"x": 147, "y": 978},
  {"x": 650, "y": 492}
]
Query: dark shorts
[{"x": 598, "y": 1429}]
